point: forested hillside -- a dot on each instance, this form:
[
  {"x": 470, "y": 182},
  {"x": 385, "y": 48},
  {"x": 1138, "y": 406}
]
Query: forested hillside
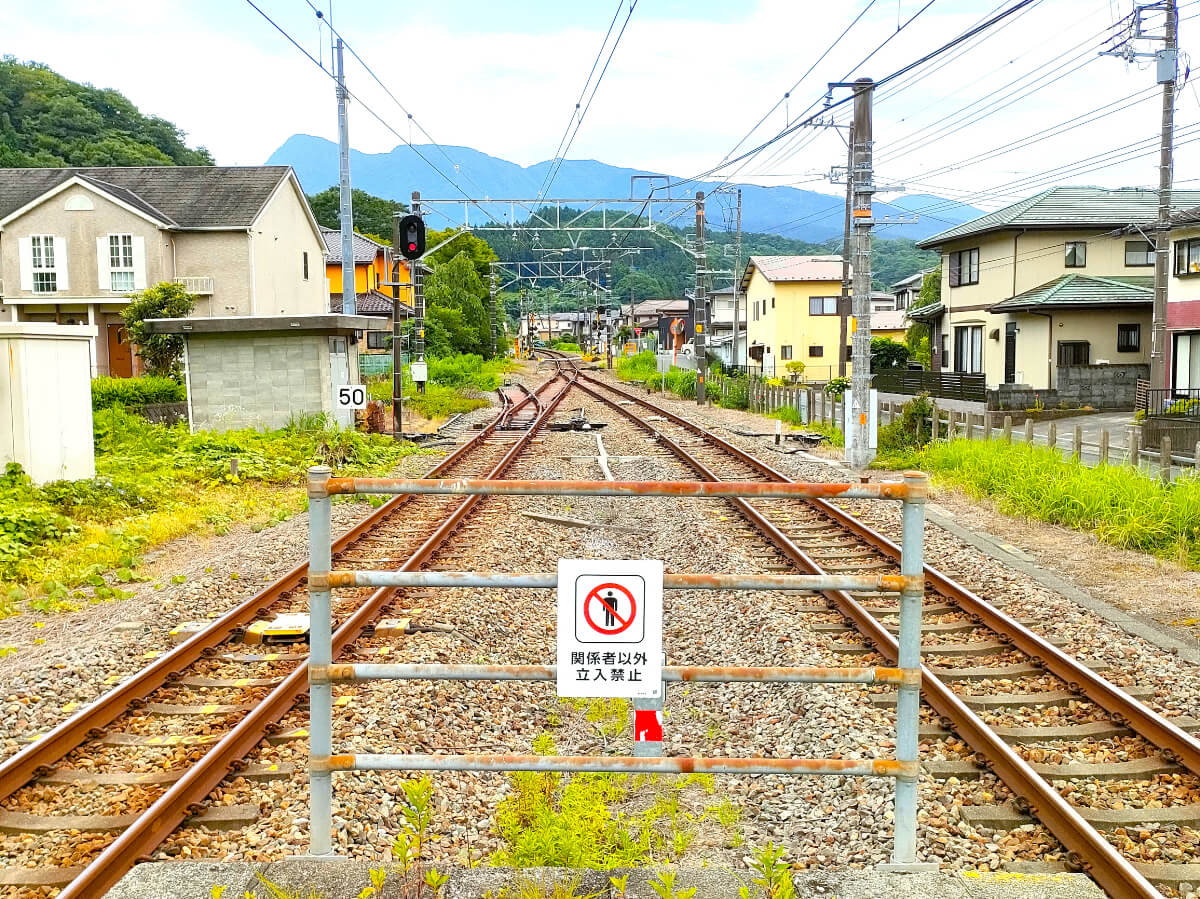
[{"x": 50, "y": 121}]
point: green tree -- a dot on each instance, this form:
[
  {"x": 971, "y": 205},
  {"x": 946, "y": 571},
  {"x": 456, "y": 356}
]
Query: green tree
[
  {"x": 478, "y": 251},
  {"x": 49, "y": 120},
  {"x": 918, "y": 336},
  {"x": 159, "y": 352},
  {"x": 372, "y": 214},
  {"x": 887, "y": 353},
  {"x": 456, "y": 285}
]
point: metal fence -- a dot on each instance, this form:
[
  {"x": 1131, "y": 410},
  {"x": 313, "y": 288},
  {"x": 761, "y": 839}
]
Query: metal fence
[
  {"x": 1170, "y": 402},
  {"x": 909, "y": 584},
  {"x": 945, "y": 384}
]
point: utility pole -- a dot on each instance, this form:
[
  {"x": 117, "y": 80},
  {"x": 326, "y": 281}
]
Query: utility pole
[
  {"x": 346, "y": 206},
  {"x": 397, "y": 337},
  {"x": 859, "y": 453},
  {"x": 700, "y": 302},
  {"x": 1167, "y": 67},
  {"x": 844, "y": 302},
  {"x": 418, "y": 295},
  {"x": 493, "y": 313},
  {"x": 737, "y": 282}
]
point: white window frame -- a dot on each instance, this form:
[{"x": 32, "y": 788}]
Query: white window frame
[
  {"x": 42, "y": 249},
  {"x": 121, "y": 262}
]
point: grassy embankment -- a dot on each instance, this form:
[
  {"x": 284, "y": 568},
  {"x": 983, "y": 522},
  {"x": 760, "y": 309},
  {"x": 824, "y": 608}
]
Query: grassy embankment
[
  {"x": 456, "y": 384},
  {"x": 1122, "y": 506},
  {"x": 68, "y": 543}
]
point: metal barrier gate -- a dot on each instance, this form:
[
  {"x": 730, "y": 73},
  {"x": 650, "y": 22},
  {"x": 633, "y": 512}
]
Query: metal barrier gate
[{"x": 322, "y": 673}]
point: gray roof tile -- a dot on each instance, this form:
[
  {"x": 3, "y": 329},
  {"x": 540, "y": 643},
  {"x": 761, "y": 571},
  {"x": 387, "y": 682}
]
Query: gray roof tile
[
  {"x": 1082, "y": 292},
  {"x": 365, "y": 249},
  {"x": 1069, "y": 207},
  {"x": 181, "y": 196}
]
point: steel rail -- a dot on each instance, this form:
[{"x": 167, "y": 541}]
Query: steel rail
[
  {"x": 1111, "y": 870},
  {"x": 157, "y": 822},
  {"x": 19, "y": 769}
]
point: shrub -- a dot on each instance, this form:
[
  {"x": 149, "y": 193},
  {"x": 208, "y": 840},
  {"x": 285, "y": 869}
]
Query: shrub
[
  {"x": 159, "y": 352},
  {"x": 837, "y": 387},
  {"x": 134, "y": 393},
  {"x": 637, "y": 367},
  {"x": 911, "y": 431}
]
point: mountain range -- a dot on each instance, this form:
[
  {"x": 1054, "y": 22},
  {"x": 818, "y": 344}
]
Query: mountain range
[{"x": 801, "y": 214}]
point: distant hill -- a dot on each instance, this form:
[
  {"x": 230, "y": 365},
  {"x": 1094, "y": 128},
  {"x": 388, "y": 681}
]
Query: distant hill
[
  {"x": 800, "y": 214},
  {"x": 49, "y": 121}
]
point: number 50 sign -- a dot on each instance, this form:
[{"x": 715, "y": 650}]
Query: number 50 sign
[{"x": 350, "y": 396}]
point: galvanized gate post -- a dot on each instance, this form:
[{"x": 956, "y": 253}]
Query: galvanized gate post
[
  {"x": 908, "y": 701},
  {"x": 320, "y": 654}
]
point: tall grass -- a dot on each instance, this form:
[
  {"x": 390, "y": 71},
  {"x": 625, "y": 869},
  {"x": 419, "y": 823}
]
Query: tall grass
[{"x": 1121, "y": 505}]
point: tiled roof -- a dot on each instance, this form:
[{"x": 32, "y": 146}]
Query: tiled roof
[
  {"x": 181, "y": 196},
  {"x": 371, "y": 302},
  {"x": 365, "y": 249},
  {"x": 926, "y": 313},
  {"x": 1082, "y": 292},
  {"x": 795, "y": 268},
  {"x": 1070, "y": 207},
  {"x": 888, "y": 320},
  {"x": 912, "y": 280},
  {"x": 654, "y": 307}
]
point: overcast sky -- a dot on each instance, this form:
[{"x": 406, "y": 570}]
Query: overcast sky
[{"x": 687, "y": 82}]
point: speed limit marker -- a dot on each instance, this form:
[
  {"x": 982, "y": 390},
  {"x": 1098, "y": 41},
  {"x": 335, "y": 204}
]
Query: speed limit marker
[{"x": 349, "y": 396}]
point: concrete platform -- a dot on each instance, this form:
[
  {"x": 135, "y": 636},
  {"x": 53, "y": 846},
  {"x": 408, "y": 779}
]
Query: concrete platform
[{"x": 346, "y": 879}]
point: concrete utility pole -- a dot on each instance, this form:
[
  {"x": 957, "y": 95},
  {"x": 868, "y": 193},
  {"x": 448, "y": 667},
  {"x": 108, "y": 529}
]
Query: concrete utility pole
[
  {"x": 418, "y": 295},
  {"x": 737, "y": 281},
  {"x": 1168, "y": 70},
  {"x": 493, "y": 313},
  {"x": 700, "y": 304},
  {"x": 346, "y": 205},
  {"x": 858, "y": 446},
  {"x": 1167, "y": 66},
  {"x": 844, "y": 302},
  {"x": 397, "y": 337}
]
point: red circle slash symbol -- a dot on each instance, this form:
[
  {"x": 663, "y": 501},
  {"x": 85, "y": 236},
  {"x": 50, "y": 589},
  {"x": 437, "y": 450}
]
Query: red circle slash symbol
[{"x": 614, "y": 605}]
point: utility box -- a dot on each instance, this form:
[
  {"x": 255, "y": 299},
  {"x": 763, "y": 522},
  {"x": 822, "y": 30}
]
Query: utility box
[
  {"x": 265, "y": 371},
  {"x": 46, "y": 399}
]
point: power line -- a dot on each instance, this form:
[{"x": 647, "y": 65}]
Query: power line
[{"x": 553, "y": 173}]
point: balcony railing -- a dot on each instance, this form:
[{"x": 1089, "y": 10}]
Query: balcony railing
[
  {"x": 197, "y": 285},
  {"x": 1181, "y": 403}
]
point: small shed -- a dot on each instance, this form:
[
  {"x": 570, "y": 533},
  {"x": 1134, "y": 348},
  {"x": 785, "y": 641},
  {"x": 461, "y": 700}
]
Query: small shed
[
  {"x": 263, "y": 371},
  {"x": 46, "y": 399}
]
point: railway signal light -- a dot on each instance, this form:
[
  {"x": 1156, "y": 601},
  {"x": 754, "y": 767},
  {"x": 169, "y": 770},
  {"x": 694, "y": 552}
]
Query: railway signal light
[{"x": 412, "y": 237}]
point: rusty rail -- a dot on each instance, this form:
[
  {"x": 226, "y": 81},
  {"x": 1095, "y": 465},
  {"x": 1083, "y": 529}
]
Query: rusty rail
[
  {"x": 169, "y": 810},
  {"x": 1115, "y": 874}
]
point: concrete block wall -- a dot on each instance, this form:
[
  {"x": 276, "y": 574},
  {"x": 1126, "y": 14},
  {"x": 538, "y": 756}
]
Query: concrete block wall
[
  {"x": 1099, "y": 386},
  {"x": 261, "y": 380}
]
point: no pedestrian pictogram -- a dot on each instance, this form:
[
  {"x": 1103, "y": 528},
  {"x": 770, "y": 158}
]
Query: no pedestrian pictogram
[{"x": 609, "y": 609}]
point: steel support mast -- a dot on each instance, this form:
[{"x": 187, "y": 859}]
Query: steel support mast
[
  {"x": 345, "y": 202},
  {"x": 397, "y": 336},
  {"x": 858, "y": 445},
  {"x": 700, "y": 302},
  {"x": 737, "y": 283},
  {"x": 417, "y": 274}
]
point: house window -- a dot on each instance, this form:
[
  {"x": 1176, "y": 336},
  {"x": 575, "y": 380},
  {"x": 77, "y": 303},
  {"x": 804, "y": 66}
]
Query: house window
[
  {"x": 1129, "y": 338},
  {"x": 772, "y": 302},
  {"x": 816, "y": 352},
  {"x": 378, "y": 340},
  {"x": 1076, "y": 253},
  {"x": 756, "y": 310},
  {"x": 964, "y": 267},
  {"x": 304, "y": 263},
  {"x": 849, "y": 351},
  {"x": 1073, "y": 352},
  {"x": 785, "y": 351},
  {"x": 1139, "y": 253},
  {"x": 1187, "y": 257},
  {"x": 968, "y": 349},
  {"x": 822, "y": 305},
  {"x": 120, "y": 262},
  {"x": 45, "y": 279}
]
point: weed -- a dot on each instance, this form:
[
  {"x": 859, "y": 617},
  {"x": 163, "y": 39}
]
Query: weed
[
  {"x": 530, "y": 888},
  {"x": 620, "y": 885},
  {"x": 664, "y": 887},
  {"x": 773, "y": 875},
  {"x": 409, "y": 845},
  {"x": 7, "y": 651},
  {"x": 1121, "y": 505},
  {"x": 274, "y": 891},
  {"x": 135, "y": 392}
]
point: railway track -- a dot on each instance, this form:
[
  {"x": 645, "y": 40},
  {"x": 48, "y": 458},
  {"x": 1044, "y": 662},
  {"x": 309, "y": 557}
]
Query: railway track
[
  {"x": 969, "y": 645},
  {"x": 163, "y": 739}
]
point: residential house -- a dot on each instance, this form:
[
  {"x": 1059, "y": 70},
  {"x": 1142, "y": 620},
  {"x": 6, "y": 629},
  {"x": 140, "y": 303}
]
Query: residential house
[
  {"x": 1183, "y": 304},
  {"x": 793, "y": 313},
  {"x": 889, "y": 323},
  {"x": 720, "y": 340},
  {"x": 906, "y": 290},
  {"x": 75, "y": 242},
  {"x": 1057, "y": 282},
  {"x": 372, "y": 268},
  {"x": 645, "y": 313}
]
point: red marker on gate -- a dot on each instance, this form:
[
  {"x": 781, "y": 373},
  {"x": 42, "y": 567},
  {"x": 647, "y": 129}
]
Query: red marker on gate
[{"x": 647, "y": 726}]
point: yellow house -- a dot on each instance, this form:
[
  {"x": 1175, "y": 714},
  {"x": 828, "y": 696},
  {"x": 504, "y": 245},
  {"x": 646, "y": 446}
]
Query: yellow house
[
  {"x": 792, "y": 314},
  {"x": 1061, "y": 280},
  {"x": 372, "y": 262}
]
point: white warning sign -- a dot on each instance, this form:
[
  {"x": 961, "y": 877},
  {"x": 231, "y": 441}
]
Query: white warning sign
[{"x": 609, "y": 627}]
